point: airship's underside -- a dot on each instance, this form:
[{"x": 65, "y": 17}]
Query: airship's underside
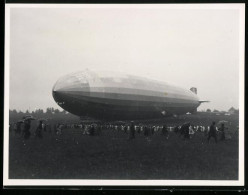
[{"x": 106, "y": 95}]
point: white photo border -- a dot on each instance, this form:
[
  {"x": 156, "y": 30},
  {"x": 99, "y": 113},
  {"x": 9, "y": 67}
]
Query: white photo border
[{"x": 82, "y": 182}]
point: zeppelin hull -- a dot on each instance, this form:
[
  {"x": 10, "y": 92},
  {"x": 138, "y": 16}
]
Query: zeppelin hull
[{"x": 121, "y": 97}]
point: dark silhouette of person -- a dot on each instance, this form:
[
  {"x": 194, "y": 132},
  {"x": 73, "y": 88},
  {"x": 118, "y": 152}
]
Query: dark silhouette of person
[
  {"x": 38, "y": 132},
  {"x": 176, "y": 129},
  {"x": 18, "y": 128},
  {"x": 132, "y": 131},
  {"x": 92, "y": 130},
  {"x": 146, "y": 131},
  {"x": 138, "y": 129},
  {"x": 45, "y": 127},
  {"x": 55, "y": 128},
  {"x": 125, "y": 128},
  {"x": 153, "y": 129},
  {"x": 150, "y": 130},
  {"x": 27, "y": 125},
  {"x": 10, "y": 127},
  {"x": 182, "y": 130},
  {"x": 212, "y": 132},
  {"x": 165, "y": 130},
  {"x": 49, "y": 127},
  {"x": 99, "y": 129},
  {"x": 222, "y": 130},
  {"x": 186, "y": 131}
]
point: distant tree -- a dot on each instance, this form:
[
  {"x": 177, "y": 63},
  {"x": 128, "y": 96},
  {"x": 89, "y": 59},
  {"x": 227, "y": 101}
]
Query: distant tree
[
  {"x": 208, "y": 110},
  {"x": 216, "y": 110},
  {"x": 63, "y": 112},
  {"x": 14, "y": 111},
  {"x": 236, "y": 111},
  {"x": 56, "y": 111},
  {"x": 49, "y": 111},
  {"x": 39, "y": 111},
  {"x": 27, "y": 112},
  {"x": 232, "y": 110}
]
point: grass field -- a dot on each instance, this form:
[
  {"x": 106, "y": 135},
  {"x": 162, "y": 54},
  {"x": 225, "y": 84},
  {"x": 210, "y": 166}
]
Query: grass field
[{"x": 112, "y": 155}]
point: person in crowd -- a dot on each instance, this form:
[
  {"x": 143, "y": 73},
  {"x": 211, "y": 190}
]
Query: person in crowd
[
  {"x": 125, "y": 128},
  {"x": 141, "y": 128},
  {"x": 138, "y": 129},
  {"x": 176, "y": 129},
  {"x": 10, "y": 127},
  {"x": 236, "y": 133},
  {"x": 149, "y": 130},
  {"x": 55, "y": 128},
  {"x": 182, "y": 130},
  {"x": 27, "y": 125},
  {"x": 146, "y": 131},
  {"x": 212, "y": 132},
  {"x": 38, "y": 131},
  {"x": 128, "y": 127},
  {"x": 191, "y": 131},
  {"x": 48, "y": 125},
  {"x": 44, "y": 127},
  {"x": 153, "y": 129},
  {"x": 15, "y": 127},
  {"x": 132, "y": 131},
  {"x": 92, "y": 130},
  {"x": 18, "y": 127},
  {"x": 100, "y": 129},
  {"x": 185, "y": 130},
  {"x": 206, "y": 130},
  {"x": 86, "y": 130},
  {"x": 59, "y": 129},
  {"x": 165, "y": 131},
  {"x": 222, "y": 130}
]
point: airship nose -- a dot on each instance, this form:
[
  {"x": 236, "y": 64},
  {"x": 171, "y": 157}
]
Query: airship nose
[{"x": 70, "y": 87}]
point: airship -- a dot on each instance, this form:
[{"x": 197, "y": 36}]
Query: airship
[{"x": 108, "y": 95}]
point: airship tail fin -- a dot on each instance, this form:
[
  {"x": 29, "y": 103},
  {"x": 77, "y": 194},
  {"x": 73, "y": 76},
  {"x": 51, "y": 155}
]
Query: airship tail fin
[
  {"x": 203, "y": 101},
  {"x": 193, "y": 89}
]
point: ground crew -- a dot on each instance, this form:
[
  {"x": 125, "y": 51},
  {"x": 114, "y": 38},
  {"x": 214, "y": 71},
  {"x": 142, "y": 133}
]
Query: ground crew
[
  {"x": 18, "y": 127},
  {"x": 165, "y": 131},
  {"x": 27, "y": 125},
  {"x": 92, "y": 130},
  {"x": 212, "y": 132},
  {"x": 222, "y": 130},
  {"x": 38, "y": 132},
  {"x": 132, "y": 131}
]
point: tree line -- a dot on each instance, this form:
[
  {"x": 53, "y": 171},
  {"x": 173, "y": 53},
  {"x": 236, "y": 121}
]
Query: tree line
[
  {"x": 231, "y": 110},
  {"x": 49, "y": 113},
  {"x": 39, "y": 111}
]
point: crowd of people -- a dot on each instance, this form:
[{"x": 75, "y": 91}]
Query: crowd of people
[{"x": 186, "y": 130}]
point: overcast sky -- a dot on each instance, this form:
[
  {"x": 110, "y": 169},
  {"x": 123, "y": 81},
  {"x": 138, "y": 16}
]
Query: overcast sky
[{"x": 185, "y": 47}]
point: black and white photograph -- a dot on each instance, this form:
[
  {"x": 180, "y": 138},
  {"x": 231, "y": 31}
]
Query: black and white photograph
[{"x": 124, "y": 94}]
